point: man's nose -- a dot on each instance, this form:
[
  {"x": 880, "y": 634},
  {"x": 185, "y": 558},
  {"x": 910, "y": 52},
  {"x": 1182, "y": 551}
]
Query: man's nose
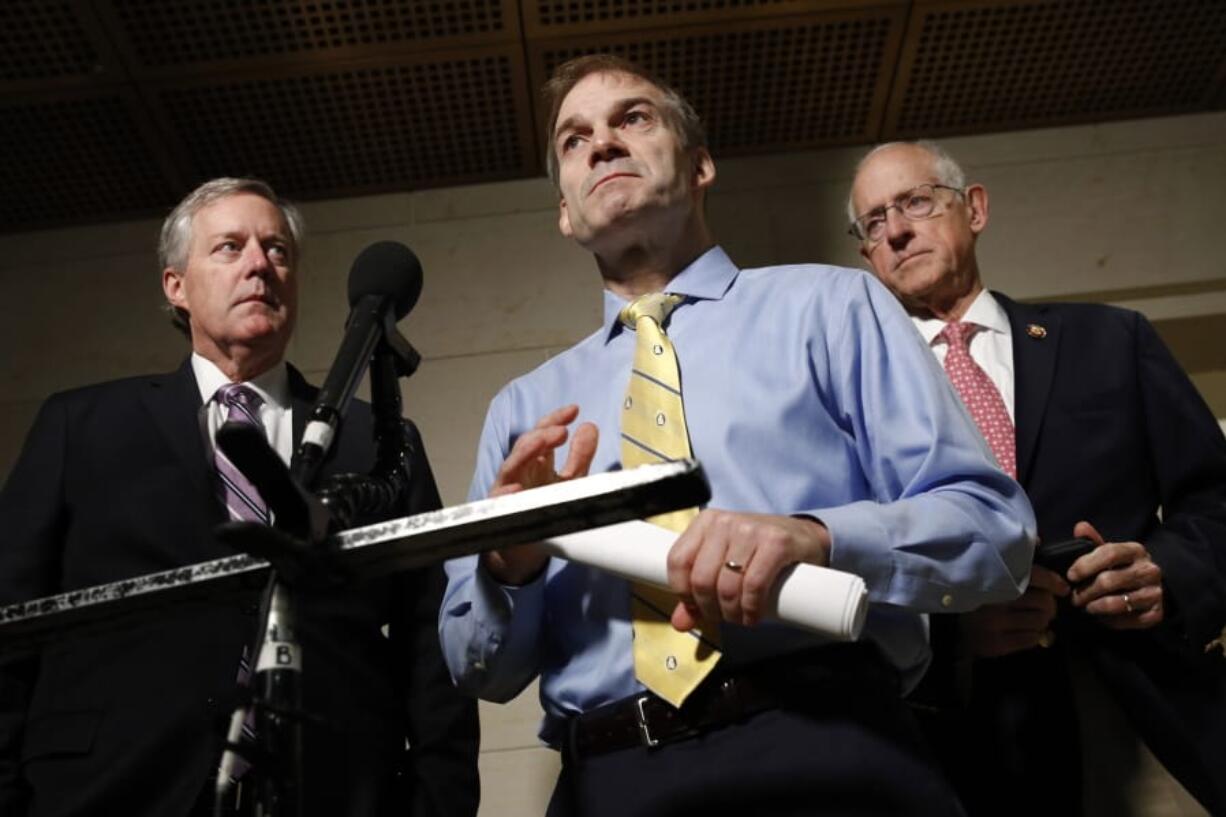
[
  {"x": 897, "y": 228},
  {"x": 606, "y": 146},
  {"x": 255, "y": 258}
]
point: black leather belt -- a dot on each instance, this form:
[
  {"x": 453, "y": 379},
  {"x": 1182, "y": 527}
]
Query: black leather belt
[{"x": 725, "y": 698}]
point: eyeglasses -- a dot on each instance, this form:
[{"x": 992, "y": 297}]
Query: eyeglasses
[{"x": 916, "y": 204}]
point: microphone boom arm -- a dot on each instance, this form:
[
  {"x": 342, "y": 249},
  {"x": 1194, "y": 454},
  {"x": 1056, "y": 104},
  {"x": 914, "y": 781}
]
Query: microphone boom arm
[{"x": 364, "y": 499}]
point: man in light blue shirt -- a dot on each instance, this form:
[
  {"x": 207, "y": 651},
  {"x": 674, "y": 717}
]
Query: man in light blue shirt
[{"x": 829, "y": 436}]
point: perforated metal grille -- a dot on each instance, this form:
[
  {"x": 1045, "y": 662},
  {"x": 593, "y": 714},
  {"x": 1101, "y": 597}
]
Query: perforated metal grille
[
  {"x": 380, "y": 127},
  {"x": 75, "y": 160},
  {"x": 196, "y": 31},
  {"x": 334, "y": 97},
  {"x": 43, "y": 40},
  {"x": 771, "y": 86},
  {"x": 554, "y": 13},
  {"x": 1052, "y": 61}
]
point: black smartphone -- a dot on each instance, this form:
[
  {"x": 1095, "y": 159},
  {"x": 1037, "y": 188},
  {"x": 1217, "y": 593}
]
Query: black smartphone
[{"x": 1058, "y": 557}]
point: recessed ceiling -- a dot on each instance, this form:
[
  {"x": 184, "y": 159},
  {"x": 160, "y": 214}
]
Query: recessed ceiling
[{"x": 111, "y": 109}]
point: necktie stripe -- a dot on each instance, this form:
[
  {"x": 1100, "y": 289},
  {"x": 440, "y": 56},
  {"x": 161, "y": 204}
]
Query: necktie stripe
[
  {"x": 655, "y": 381},
  {"x": 251, "y": 418},
  {"x": 242, "y": 497},
  {"x": 647, "y": 448},
  {"x": 667, "y": 616},
  {"x": 235, "y": 482},
  {"x": 238, "y": 494}
]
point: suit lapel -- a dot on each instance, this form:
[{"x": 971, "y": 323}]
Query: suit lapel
[
  {"x": 174, "y": 402},
  {"x": 1036, "y": 339}
]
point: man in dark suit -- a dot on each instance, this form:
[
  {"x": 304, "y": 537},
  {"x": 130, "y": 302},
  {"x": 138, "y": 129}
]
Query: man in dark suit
[
  {"x": 1083, "y": 405},
  {"x": 119, "y": 479}
]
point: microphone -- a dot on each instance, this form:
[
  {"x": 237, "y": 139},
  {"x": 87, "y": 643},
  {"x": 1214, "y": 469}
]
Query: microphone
[{"x": 384, "y": 285}]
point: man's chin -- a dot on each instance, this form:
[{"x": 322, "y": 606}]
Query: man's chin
[
  {"x": 262, "y": 331},
  {"x": 620, "y": 215},
  {"x": 916, "y": 278}
]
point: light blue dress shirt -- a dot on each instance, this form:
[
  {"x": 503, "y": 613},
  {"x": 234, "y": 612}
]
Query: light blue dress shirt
[{"x": 807, "y": 391}]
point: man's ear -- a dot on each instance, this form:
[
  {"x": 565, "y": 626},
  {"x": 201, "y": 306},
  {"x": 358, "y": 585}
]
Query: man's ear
[
  {"x": 564, "y": 219},
  {"x": 977, "y": 207},
  {"x": 172, "y": 287},
  {"x": 704, "y": 169}
]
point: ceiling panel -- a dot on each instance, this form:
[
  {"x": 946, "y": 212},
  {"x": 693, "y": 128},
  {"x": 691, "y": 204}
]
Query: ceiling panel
[
  {"x": 188, "y": 36},
  {"x": 436, "y": 119},
  {"x": 336, "y": 97},
  {"x": 50, "y": 45},
  {"x": 819, "y": 79},
  {"x": 79, "y": 159},
  {"x": 557, "y": 18},
  {"x": 993, "y": 65}
]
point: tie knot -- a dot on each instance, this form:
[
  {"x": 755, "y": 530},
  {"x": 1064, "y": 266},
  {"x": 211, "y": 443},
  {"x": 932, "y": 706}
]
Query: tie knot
[
  {"x": 241, "y": 398},
  {"x": 958, "y": 333},
  {"x": 654, "y": 305}
]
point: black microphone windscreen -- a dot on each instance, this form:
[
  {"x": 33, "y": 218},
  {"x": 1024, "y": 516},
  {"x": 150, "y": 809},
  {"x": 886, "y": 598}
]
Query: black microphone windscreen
[{"x": 386, "y": 268}]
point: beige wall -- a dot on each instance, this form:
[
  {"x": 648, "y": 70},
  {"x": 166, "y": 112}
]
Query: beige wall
[{"x": 1125, "y": 212}]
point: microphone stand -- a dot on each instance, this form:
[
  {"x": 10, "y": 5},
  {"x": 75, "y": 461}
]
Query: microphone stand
[
  {"x": 301, "y": 521},
  {"x": 275, "y": 688},
  {"x": 278, "y": 705}
]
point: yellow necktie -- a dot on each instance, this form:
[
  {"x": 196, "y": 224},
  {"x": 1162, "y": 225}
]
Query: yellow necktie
[{"x": 669, "y": 663}]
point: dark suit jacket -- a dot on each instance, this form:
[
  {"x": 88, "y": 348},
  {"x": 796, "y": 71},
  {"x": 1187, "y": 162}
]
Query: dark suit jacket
[
  {"x": 115, "y": 480},
  {"x": 1110, "y": 430}
]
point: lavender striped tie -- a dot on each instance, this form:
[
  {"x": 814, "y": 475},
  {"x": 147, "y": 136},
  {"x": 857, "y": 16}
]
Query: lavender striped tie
[
  {"x": 241, "y": 499},
  {"x": 244, "y": 503}
]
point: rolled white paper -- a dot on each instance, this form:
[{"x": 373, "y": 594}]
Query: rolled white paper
[{"x": 828, "y": 602}]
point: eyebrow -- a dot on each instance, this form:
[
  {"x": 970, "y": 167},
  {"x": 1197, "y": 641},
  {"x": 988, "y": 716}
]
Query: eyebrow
[
  {"x": 245, "y": 234},
  {"x": 620, "y": 108},
  {"x": 881, "y": 207}
]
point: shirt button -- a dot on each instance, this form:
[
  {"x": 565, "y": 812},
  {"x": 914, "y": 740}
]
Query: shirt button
[{"x": 947, "y": 600}]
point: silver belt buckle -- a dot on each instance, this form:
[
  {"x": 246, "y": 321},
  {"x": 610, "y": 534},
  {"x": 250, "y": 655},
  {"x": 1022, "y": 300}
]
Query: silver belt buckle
[{"x": 641, "y": 717}]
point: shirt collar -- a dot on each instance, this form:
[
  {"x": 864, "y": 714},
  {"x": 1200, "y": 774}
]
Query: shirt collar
[
  {"x": 272, "y": 385},
  {"x": 985, "y": 310},
  {"x": 707, "y": 278}
]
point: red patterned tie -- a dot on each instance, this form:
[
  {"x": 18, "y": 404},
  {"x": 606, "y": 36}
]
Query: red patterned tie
[{"x": 980, "y": 395}]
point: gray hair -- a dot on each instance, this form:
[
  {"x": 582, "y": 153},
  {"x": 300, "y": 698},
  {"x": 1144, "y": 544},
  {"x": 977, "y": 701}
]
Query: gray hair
[
  {"x": 176, "y": 236},
  {"x": 948, "y": 171},
  {"x": 677, "y": 110}
]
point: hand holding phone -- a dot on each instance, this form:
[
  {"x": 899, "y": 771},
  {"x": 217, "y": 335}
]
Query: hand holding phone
[{"x": 1058, "y": 557}]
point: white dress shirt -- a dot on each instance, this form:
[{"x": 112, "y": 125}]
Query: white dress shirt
[
  {"x": 991, "y": 347},
  {"x": 276, "y": 411}
]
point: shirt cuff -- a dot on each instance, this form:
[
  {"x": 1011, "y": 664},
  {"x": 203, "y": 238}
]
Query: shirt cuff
[
  {"x": 861, "y": 544},
  {"x": 506, "y": 616}
]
